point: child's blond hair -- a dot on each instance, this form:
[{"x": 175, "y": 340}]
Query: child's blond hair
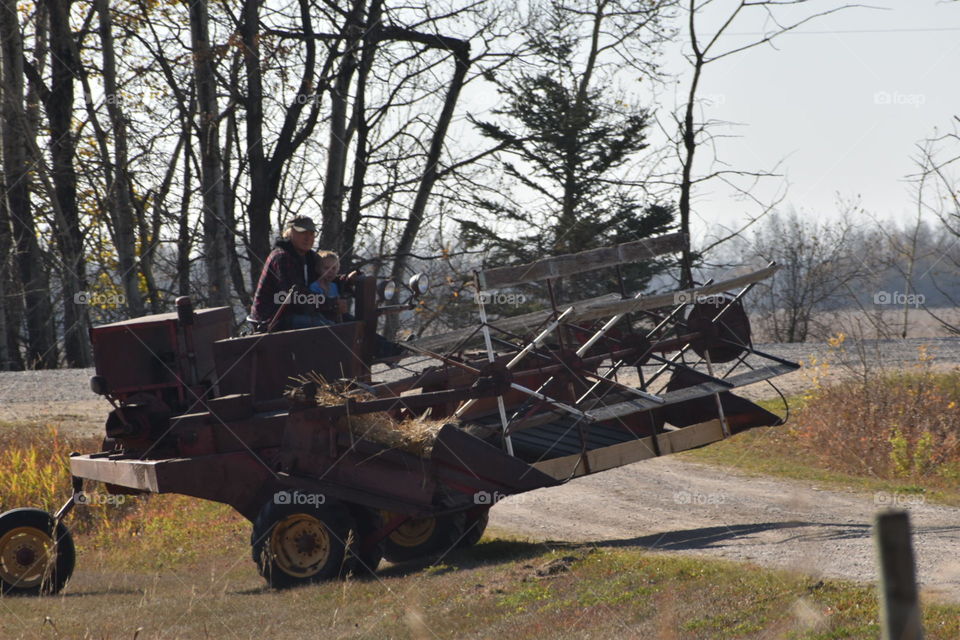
[{"x": 324, "y": 257}]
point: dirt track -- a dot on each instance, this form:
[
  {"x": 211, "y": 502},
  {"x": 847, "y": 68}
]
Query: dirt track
[
  {"x": 672, "y": 505},
  {"x": 666, "y": 504}
]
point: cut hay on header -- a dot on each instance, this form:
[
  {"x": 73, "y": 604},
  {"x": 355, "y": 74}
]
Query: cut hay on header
[{"x": 415, "y": 435}]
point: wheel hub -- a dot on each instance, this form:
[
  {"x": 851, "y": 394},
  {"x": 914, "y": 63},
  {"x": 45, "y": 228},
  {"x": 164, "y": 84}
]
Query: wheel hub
[
  {"x": 306, "y": 543},
  {"x": 414, "y": 532},
  {"x": 300, "y": 545},
  {"x": 25, "y": 556}
]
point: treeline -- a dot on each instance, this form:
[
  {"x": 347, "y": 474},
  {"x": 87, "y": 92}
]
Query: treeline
[
  {"x": 865, "y": 277},
  {"x": 153, "y": 149}
]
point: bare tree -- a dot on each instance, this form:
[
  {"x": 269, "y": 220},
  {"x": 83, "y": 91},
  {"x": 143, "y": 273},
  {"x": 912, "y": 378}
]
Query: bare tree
[
  {"x": 119, "y": 198},
  {"x": 299, "y": 119},
  {"x": 938, "y": 193},
  {"x": 818, "y": 269},
  {"x": 215, "y": 227},
  {"x": 691, "y": 132}
]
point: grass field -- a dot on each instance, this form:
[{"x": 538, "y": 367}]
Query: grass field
[
  {"x": 190, "y": 576},
  {"x": 174, "y": 567}
]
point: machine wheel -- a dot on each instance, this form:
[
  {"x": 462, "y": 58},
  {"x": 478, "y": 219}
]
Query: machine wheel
[
  {"x": 365, "y": 561},
  {"x": 33, "y": 560},
  {"x": 419, "y": 537},
  {"x": 296, "y": 544},
  {"x": 726, "y": 339},
  {"x": 476, "y": 525}
]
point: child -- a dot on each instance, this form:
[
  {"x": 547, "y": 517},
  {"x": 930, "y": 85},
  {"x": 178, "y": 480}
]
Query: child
[
  {"x": 327, "y": 270},
  {"x": 334, "y": 308}
]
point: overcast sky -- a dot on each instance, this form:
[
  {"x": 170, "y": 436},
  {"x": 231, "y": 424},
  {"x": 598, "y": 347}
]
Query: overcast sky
[{"x": 842, "y": 103}]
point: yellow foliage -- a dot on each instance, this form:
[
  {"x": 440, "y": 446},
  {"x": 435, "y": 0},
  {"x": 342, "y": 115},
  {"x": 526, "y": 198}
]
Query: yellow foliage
[{"x": 836, "y": 341}]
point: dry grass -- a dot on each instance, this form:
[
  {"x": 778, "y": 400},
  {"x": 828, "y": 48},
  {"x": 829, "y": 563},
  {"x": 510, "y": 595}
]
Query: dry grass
[
  {"x": 36, "y": 473},
  {"x": 892, "y": 425},
  {"x": 414, "y": 434},
  {"x": 864, "y": 427},
  {"x": 500, "y": 588}
]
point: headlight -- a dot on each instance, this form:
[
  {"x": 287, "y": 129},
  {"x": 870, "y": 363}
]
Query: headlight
[
  {"x": 419, "y": 284},
  {"x": 387, "y": 289}
]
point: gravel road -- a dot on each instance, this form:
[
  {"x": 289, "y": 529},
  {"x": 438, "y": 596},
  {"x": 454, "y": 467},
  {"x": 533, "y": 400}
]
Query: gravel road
[
  {"x": 675, "y": 506},
  {"x": 665, "y": 504}
]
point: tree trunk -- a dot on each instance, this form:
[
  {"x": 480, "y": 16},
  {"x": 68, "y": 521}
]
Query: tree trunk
[
  {"x": 184, "y": 243},
  {"x": 119, "y": 194},
  {"x": 360, "y": 156},
  {"x": 5, "y": 280},
  {"x": 59, "y": 107},
  {"x": 11, "y": 307},
  {"x": 229, "y": 200},
  {"x": 331, "y": 236},
  {"x": 688, "y": 135},
  {"x": 4, "y": 248},
  {"x": 215, "y": 229},
  {"x": 13, "y": 316},
  {"x": 258, "y": 211},
  {"x": 461, "y": 56},
  {"x": 41, "y": 338}
]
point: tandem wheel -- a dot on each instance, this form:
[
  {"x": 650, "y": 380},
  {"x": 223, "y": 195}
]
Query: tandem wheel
[
  {"x": 296, "y": 544},
  {"x": 420, "y": 537}
]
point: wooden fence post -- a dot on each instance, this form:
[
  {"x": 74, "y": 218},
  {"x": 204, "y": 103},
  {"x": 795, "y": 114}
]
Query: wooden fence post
[{"x": 899, "y": 604}]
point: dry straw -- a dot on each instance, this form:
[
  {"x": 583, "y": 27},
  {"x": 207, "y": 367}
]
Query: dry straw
[{"x": 415, "y": 435}]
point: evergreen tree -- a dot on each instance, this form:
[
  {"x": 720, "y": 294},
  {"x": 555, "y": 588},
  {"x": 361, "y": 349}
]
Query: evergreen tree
[{"x": 567, "y": 140}]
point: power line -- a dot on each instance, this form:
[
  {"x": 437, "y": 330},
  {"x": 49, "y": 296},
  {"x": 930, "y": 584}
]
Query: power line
[{"x": 841, "y": 31}]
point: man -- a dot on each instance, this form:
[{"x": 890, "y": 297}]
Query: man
[{"x": 292, "y": 262}]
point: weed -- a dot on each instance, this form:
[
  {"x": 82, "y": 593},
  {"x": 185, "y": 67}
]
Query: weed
[
  {"x": 901, "y": 425},
  {"x": 36, "y": 473}
]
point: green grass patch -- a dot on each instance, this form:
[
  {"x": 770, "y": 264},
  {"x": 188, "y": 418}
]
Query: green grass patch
[{"x": 499, "y": 588}]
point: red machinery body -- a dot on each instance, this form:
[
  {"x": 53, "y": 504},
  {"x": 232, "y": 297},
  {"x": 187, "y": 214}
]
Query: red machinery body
[{"x": 201, "y": 413}]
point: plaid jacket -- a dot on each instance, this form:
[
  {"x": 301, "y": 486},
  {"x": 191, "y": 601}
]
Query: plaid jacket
[{"x": 283, "y": 269}]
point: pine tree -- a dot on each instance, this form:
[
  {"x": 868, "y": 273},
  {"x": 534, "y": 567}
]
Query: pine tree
[{"x": 566, "y": 143}]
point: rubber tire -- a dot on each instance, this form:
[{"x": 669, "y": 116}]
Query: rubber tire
[
  {"x": 335, "y": 518},
  {"x": 66, "y": 552},
  {"x": 476, "y": 525},
  {"x": 445, "y": 536},
  {"x": 367, "y": 522}
]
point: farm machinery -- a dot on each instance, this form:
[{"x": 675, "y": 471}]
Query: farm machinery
[{"x": 338, "y": 462}]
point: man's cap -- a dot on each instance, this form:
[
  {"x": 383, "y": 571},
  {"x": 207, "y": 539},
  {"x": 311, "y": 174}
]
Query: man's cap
[{"x": 301, "y": 223}]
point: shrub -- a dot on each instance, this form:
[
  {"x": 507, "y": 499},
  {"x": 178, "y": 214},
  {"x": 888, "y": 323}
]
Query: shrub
[{"x": 889, "y": 425}]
